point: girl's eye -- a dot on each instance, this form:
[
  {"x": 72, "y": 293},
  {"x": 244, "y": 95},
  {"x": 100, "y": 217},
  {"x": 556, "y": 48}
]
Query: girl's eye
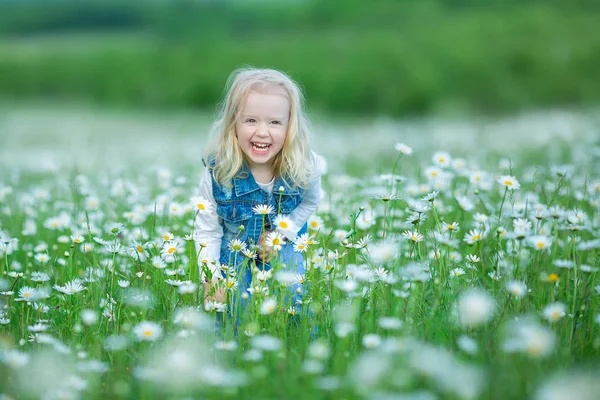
[
  {"x": 276, "y": 122},
  {"x": 252, "y": 120}
]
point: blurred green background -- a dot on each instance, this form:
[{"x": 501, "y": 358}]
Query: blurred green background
[{"x": 398, "y": 58}]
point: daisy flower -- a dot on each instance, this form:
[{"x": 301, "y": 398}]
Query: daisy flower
[
  {"x": 70, "y": 288},
  {"x": 413, "y": 236},
  {"x": 346, "y": 285},
  {"x": 275, "y": 240},
  {"x": 263, "y": 209},
  {"x": 201, "y": 205},
  {"x": 37, "y": 276},
  {"x": 158, "y": 262},
  {"x": 167, "y": 236},
  {"x": 522, "y": 227},
  {"x": 300, "y": 246},
  {"x": 452, "y": 227},
  {"x": 473, "y": 259},
  {"x": 169, "y": 248},
  {"x": 114, "y": 228},
  {"x": 540, "y": 242},
  {"x": 432, "y": 173},
  {"x": 386, "y": 197},
  {"x": 249, "y": 253},
  {"x": 315, "y": 223},
  {"x": 475, "y": 307},
  {"x": 231, "y": 284},
  {"x": 442, "y": 159},
  {"x": 138, "y": 250},
  {"x": 89, "y": 317},
  {"x": 516, "y": 288},
  {"x": 529, "y": 337},
  {"x": 42, "y": 258},
  {"x": 27, "y": 294},
  {"x": 457, "y": 272},
  {"x": 510, "y": 182},
  {"x": 236, "y": 245},
  {"x": 555, "y": 311},
  {"x": 473, "y": 236},
  {"x": 268, "y": 306},
  {"x": 147, "y": 331},
  {"x": 431, "y": 196},
  {"x": 285, "y": 225},
  {"x": 403, "y": 149},
  {"x": 371, "y": 340},
  {"x": 77, "y": 239}
]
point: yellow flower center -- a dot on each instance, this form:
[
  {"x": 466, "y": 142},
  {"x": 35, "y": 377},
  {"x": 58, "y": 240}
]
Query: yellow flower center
[
  {"x": 171, "y": 250},
  {"x": 508, "y": 183},
  {"x": 534, "y": 350},
  {"x": 541, "y": 245},
  {"x": 27, "y": 295},
  {"x": 414, "y": 238},
  {"x": 140, "y": 249},
  {"x": 283, "y": 224},
  {"x": 553, "y": 277},
  {"x": 314, "y": 224},
  {"x": 147, "y": 333},
  {"x": 276, "y": 241},
  {"x": 230, "y": 284},
  {"x": 166, "y": 237},
  {"x": 201, "y": 206},
  {"x": 477, "y": 237}
]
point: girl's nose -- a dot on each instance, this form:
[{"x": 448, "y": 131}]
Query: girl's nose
[{"x": 262, "y": 130}]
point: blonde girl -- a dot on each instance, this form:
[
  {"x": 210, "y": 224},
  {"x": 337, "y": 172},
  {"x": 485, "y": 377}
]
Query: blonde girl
[{"x": 261, "y": 184}]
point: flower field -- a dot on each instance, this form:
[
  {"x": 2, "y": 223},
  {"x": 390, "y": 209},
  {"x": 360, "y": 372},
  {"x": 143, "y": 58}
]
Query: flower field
[{"x": 439, "y": 266}]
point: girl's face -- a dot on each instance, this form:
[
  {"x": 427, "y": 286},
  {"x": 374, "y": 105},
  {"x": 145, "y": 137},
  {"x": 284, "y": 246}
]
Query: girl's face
[{"x": 262, "y": 126}]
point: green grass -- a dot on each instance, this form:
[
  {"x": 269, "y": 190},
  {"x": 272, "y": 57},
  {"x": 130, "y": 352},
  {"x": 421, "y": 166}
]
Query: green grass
[
  {"x": 338, "y": 346},
  {"x": 393, "y": 58}
]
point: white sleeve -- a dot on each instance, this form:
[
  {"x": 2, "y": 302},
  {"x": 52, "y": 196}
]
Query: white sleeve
[
  {"x": 208, "y": 231},
  {"x": 312, "y": 197}
]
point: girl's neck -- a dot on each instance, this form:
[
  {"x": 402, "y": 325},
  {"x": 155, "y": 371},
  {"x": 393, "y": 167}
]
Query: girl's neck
[{"x": 263, "y": 175}]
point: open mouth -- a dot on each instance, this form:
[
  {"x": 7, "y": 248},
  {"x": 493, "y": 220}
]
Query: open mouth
[{"x": 260, "y": 146}]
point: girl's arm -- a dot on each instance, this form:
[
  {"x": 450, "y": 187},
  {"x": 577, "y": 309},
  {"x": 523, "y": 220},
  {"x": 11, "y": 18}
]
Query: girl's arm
[
  {"x": 312, "y": 197},
  {"x": 208, "y": 232}
]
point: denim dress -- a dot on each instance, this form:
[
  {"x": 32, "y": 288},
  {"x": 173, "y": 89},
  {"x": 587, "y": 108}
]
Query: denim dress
[{"x": 239, "y": 221}]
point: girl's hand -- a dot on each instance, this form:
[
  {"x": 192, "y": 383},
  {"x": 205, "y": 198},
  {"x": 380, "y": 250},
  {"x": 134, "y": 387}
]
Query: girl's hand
[
  {"x": 264, "y": 251},
  {"x": 220, "y": 294}
]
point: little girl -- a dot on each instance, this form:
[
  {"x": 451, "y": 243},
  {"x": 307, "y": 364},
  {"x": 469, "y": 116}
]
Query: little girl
[{"x": 261, "y": 174}]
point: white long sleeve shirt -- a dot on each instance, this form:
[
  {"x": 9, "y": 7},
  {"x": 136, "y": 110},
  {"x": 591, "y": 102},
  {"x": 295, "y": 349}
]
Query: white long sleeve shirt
[{"x": 209, "y": 231}]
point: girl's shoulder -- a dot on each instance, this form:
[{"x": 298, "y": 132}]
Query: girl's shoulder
[{"x": 320, "y": 164}]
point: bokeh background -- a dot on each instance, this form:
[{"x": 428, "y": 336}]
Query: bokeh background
[{"x": 116, "y": 76}]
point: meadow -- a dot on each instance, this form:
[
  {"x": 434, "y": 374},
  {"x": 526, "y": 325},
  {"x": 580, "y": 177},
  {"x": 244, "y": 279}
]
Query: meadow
[{"x": 448, "y": 259}]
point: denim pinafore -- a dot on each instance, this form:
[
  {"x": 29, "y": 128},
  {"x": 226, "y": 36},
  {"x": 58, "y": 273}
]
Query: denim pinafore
[{"x": 234, "y": 208}]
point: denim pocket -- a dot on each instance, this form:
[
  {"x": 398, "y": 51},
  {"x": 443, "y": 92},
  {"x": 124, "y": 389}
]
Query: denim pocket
[{"x": 234, "y": 211}]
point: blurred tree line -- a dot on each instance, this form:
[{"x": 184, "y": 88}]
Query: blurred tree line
[{"x": 351, "y": 56}]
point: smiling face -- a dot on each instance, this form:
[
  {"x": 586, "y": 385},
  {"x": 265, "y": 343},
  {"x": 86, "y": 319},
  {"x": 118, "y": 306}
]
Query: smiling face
[{"x": 262, "y": 126}]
